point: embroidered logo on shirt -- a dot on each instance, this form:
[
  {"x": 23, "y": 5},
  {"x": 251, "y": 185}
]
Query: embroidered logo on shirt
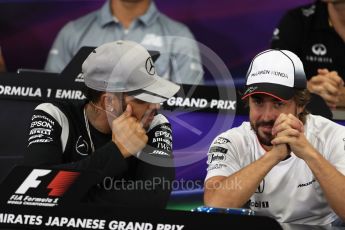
[
  {"x": 152, "y": 40},
  {"x": 318, "y": 54},
  {"x": 79, "y": 78},
  {"x": 319, "y": 49},
  {"x": 221, "y": 140},
  {"x": 217, "y": 149},
  {"x": 259, "y": 204},
  {"x": 81, "y": 146},
  {"x": 261, "y": 187},
  {"x": 276, "y": 34},
  {"x": 309, "y": 11},
  {"x": 216, "y": 157},
  {"x": 306, "y": 184}
]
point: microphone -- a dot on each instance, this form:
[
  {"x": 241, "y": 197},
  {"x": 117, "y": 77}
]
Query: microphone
[{"x": 110, "y": 112}]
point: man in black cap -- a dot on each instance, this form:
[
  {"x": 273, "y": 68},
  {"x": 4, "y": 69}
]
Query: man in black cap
[
  {"x": 285, "y": 163},
  {"x": 116, "y": 132}
]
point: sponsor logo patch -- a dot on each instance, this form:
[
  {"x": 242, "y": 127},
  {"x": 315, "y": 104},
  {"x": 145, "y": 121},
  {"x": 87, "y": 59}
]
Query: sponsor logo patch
[
  {"x": 261, "y": 187},
  {"x": 306, "y": 184},
  {"x": 82, "y": 146},
  {"x": 216, "y": 157},
  {"x": 217, "y": 149},
  {"x": 319, "y": 49},
  {"x": 259, "y": 204},
  {"x": 216, "y": 166},
  {"x": 150, "y": 68},
  {"x": 221, "y": 141}
]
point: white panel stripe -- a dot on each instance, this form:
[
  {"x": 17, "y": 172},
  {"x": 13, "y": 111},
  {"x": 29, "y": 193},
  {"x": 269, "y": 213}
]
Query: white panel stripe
[
  {"x": 60, "y": 117},
  {"x": 157, "y": 120}
]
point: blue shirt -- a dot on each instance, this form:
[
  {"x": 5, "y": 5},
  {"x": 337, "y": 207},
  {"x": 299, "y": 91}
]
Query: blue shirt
[{"x": 179, "y": 60}]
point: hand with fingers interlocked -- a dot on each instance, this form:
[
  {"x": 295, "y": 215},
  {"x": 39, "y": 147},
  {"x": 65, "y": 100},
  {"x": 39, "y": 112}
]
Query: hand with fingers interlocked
[
  {"x": 328, "y": 85},
  {"x": 289, "y": 130}
]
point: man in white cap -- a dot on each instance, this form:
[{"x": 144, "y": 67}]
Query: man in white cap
[
  {"x": 284, "y": 163},
  {"x": 116, "y": 132}
]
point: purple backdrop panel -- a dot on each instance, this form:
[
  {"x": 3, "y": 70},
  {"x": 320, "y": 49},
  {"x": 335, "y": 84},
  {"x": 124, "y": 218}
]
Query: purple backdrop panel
[{"x": 235, "y": 30}]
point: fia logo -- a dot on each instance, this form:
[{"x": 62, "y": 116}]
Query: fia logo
[{"x": 150, "y": 68}]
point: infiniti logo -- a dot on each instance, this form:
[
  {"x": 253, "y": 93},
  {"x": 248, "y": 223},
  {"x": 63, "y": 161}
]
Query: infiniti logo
[
  {"x": 319, "y": 49},
  {"x": 150, "y": 68}
]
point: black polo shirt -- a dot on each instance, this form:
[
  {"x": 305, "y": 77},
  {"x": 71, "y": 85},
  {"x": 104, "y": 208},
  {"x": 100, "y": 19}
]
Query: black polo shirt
[
  {"x": 306, "y": 31},
  {"x": 60, "y": 136}
]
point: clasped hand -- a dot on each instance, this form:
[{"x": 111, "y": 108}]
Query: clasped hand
[{"x": 289, "y": 130}]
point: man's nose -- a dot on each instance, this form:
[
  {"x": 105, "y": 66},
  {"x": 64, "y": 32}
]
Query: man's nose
[{"x": 269, "y": 113}]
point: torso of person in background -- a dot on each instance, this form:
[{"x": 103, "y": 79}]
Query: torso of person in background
[
  {"x": 308, "y": 32},
  {"x": 179, "y": 58}
]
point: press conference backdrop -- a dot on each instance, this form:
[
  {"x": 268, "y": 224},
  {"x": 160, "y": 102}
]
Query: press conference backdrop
[
  {"x": 234, "y": 30},
  {"x": 197, "y": 115}
]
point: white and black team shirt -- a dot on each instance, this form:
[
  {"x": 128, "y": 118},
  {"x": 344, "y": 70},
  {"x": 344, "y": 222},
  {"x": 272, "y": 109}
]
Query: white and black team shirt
[
  {"x": 61, "y": 137},
  {"x": 289, "y": 192}
]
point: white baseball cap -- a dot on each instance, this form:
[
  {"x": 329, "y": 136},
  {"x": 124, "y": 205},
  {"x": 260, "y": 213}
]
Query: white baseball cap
[
  {"x": 126, "y": 66},
  {"x": 277, "y": 73}
]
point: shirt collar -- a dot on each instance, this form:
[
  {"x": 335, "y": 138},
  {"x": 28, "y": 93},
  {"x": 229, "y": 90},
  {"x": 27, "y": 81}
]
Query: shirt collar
[
  {"x": 151, "y": 14},
  {"x": 105, "y": 16},
  {"x": 321, "y": 20}
]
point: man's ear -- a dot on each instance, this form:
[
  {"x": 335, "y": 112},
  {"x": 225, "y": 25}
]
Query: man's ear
[
  {"x": 300, "y": 109},
  {"x": 107, "y": 102}
]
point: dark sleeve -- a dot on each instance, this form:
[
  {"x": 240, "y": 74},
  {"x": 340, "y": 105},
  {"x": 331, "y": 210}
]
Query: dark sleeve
[
  {"x": 153, "y": 177},
  {"x": 45, "y": 148},
  {"x": 289, "y": 33}
]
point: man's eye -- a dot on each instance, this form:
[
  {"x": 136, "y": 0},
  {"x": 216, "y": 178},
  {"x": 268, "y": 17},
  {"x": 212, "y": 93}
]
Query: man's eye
[{"x": 279, "y": 104}]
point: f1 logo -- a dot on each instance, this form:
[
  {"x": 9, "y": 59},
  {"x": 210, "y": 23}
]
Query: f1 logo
[
  {"x": 31, "y": 181},
  {"x": 58, "y": 186}
]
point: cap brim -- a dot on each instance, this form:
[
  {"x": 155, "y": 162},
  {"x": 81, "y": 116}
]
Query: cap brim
[
  {"x": 280, "y": 92},
  {"x": 159, "y": 91}
]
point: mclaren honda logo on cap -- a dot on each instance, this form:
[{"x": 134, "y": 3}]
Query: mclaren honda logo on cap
[{"x": 150, "y": 68}]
